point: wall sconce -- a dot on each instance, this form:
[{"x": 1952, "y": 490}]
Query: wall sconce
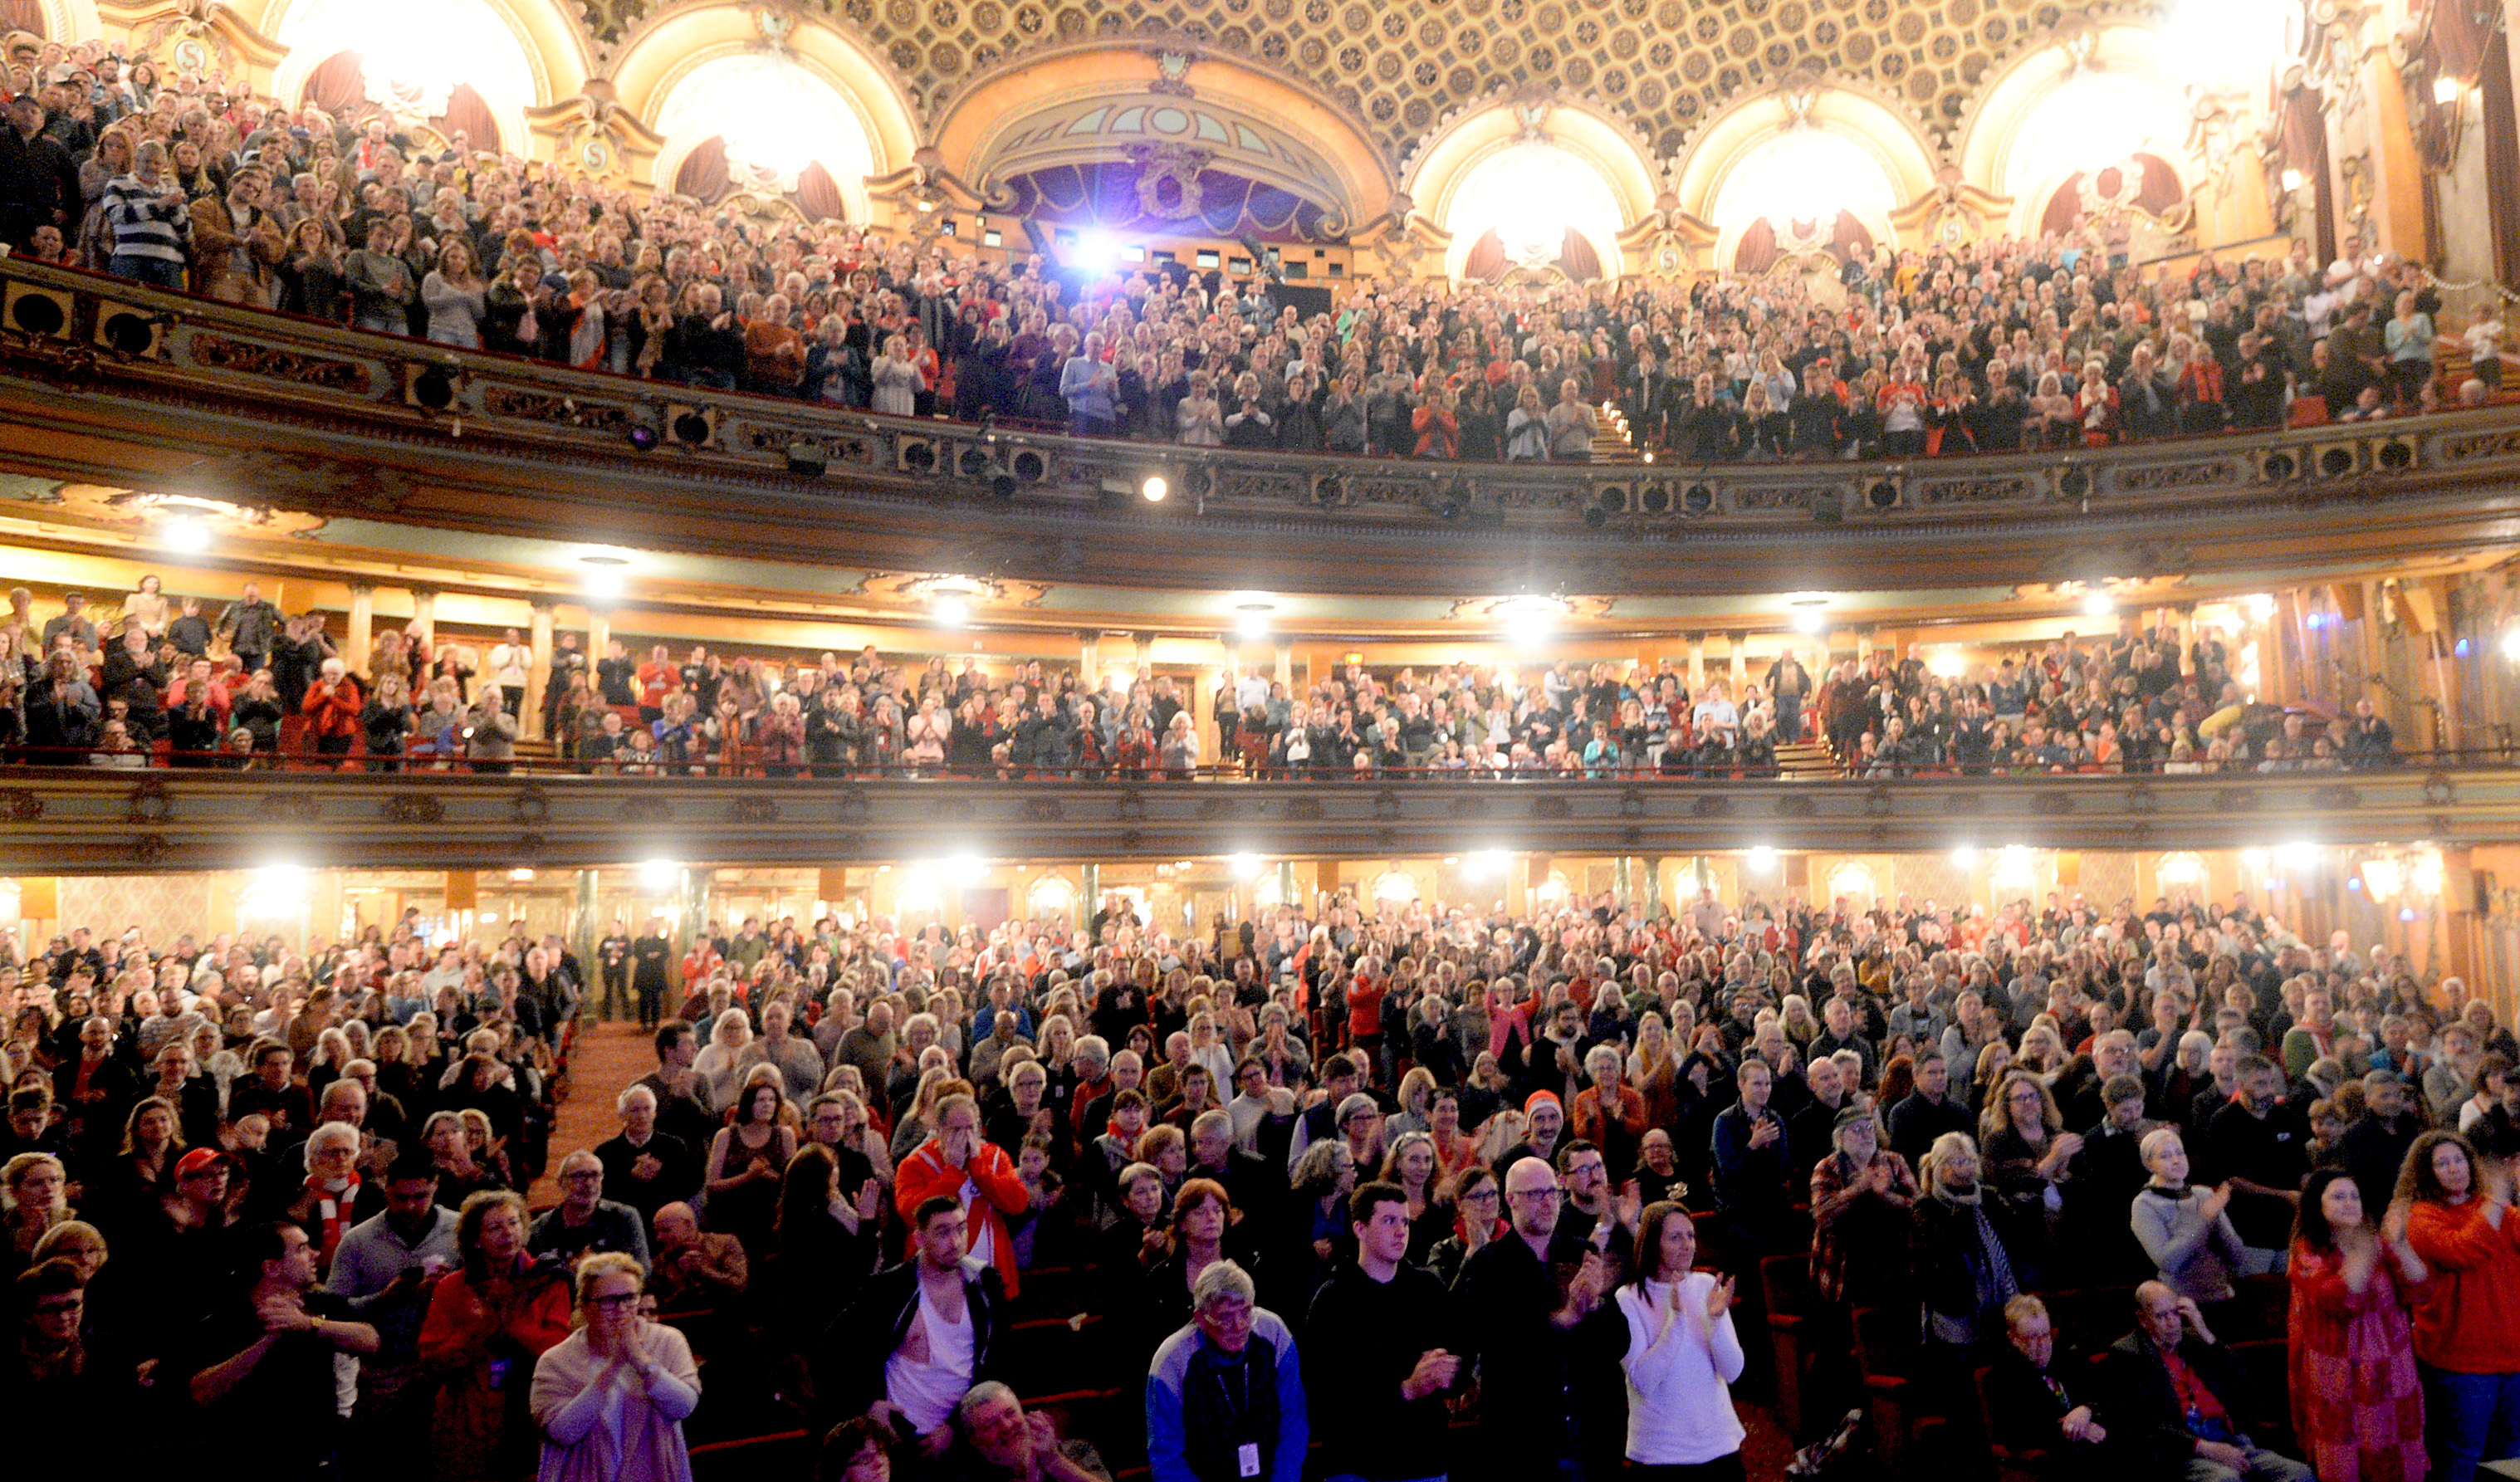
[
  {"x": 2291, "y": 182},
  {"x": 2447, "y": 90}
]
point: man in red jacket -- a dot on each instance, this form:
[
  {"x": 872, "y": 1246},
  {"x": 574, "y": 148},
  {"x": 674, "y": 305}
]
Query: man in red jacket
[{"x": 955, "y": 1162}]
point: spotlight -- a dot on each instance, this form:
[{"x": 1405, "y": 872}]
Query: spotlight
[
  {"x": 1656, "y": 498},
  {"x": 1809, "y": 621},
  {"x": 190, "y": 536},
  {"x": 919, "y": 456},
  {"x": 1882, "y": 494},
  {"x": 973, "y": 461},
  {"x": 2397, "y": 455},
  {"x": 1154, "y": 489},
  {"x": 691, "y": 428},
  {"x": 1329, "y": 489},
  {"x": 951, "y": 611},
  {"x": 603, "y": 576},
  {"x": 807, "y": 457},
  {"x": 1029, "y": 466},
  {"x": 1698, "y": 499},
  {"x": 2099, "y": 604},
  {"x": 2075, "y": 482},
  {"x": 2336, "y": 462},
  {"x": 642, "y": 438},
  {"x": 2279, "y": 466},
  {"x": 658, "y": 874}
]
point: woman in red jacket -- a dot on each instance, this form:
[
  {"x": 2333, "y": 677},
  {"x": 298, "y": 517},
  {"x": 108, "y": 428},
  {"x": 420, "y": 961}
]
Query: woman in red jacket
[
  {"x": 488, "y": 1322},
  {"x": 2467, "y": 1327},
  {"x": 956, "y": 1162},
  {"x": 333, "y": 705}
]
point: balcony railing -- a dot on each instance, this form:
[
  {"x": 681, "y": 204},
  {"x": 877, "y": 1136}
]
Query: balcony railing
[
  {"x": 346, "y": 420},
  {"x": 101, "y": 820}
]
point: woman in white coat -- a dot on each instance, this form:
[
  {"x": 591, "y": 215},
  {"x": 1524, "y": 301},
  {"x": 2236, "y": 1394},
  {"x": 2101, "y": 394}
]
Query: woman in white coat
[
  {"x": 1681, "y": 1358},
  {"x": 611, "y": 1397}
]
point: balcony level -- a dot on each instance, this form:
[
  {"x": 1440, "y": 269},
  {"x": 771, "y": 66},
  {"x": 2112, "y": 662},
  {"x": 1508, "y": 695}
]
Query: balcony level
[
  {"x": 103, "y": 382},
  {"x": 88, "y": 820}
]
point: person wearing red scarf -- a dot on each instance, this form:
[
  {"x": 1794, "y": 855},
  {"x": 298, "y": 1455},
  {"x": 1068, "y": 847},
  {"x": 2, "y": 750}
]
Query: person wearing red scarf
[{"x": 334, "y": 1196}]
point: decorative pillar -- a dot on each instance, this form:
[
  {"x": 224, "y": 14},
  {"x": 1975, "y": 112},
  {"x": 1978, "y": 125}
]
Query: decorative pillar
[
  {"x": 1089, "y": 888},
  {"x": 1623, "y": 881},
  {"x": 598, "y": 638},
  {"x": 1697, "y": 662},
  {"x": 1741, "y": 643},
  {"x": 1653, "y": 885},
  {"x": 424, "y": 614},
  {"x": 363, "y": 624},
  {"x": 590, "y": 930},
  {"x": 1287, "y": 663},
  {"x": 1089, "y": 658},
  {"x": 1145, "y": 646},
  {"x": 538, "y": 674},
  {"x": 1286, "y": 886}
]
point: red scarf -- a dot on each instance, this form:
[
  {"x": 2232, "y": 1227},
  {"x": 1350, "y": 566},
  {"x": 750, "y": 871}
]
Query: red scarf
[{"x": 334, "y": 1210}]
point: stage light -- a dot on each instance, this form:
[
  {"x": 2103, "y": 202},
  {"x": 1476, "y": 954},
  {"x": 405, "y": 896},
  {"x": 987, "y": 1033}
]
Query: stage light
[
  {"x": 951, "y": 611},
  {"x": 658, "y": 874},
  {"x": 190, "y": 536},
  {"x": 1154, "y": 489},
  {"x": 2099, "y": 604}
]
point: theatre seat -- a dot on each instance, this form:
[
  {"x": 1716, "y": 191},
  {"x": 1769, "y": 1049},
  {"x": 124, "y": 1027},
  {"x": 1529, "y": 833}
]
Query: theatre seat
[
  {"x": 786, "y": 1454},
  {"x": 1785, "y": 1282}
]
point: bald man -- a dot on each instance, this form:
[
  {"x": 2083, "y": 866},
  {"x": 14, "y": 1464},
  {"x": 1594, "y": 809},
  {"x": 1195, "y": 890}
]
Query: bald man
[{"x": 585, "y": 1221}]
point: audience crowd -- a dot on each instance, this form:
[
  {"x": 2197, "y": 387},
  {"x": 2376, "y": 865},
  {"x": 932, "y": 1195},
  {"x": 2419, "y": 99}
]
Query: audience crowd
[
  {"x": 1324, "y": 1193},
  {"x": 240, "y": 683},
  {"x": 198, "y": 185}
]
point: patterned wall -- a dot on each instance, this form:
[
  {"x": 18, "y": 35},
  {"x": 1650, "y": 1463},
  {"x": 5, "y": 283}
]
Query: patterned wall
[{"x": 1398, "y": 66}]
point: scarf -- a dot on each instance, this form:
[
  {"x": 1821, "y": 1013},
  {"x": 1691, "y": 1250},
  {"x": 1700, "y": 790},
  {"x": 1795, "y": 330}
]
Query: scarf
[{"x": 333, "y": 1206}]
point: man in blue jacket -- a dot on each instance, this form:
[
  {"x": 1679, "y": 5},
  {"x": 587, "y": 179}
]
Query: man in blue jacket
[{"x": 1225, "y": 1396}]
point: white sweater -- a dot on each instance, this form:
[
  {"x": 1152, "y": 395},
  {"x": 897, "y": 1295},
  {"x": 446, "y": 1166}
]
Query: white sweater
[{"x": 1680, "y": 1408}]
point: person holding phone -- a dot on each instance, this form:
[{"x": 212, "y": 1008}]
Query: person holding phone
[{"x": 384, "y": 1270}]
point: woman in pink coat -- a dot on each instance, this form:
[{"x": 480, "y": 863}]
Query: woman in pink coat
[{"x": 611, "y": 1397}]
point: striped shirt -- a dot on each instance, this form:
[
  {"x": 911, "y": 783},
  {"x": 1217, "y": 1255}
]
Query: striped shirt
[{"x": 144, "y": 223}]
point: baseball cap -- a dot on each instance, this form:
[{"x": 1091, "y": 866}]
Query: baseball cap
[{"x": 198, "y": 1160}]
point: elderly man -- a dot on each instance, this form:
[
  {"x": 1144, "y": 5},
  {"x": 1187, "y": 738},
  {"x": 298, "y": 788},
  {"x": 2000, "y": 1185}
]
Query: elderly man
[
  {"x": 585, "y": 1222},
  {"x": 334, "y": 1196},
  {"x": 869, "y": 1044},
  {"x": 801, "y": 1066},
  {"x": 996, "y": 1441},
  {"x": 95, "y": 1090},
  {"x": 644, "y": 1168},
  {"x": 695, "y": 1268},
  {"x": 2036, "y": 1405},
  {"x": 2171, "y": 1385},
  {"x": 1225, "y": 1395},
  {"x": 956, "y": 1163}
]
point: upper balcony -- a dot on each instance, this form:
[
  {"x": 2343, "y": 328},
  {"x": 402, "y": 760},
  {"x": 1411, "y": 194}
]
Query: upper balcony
[{"x": 105, "y": 382}]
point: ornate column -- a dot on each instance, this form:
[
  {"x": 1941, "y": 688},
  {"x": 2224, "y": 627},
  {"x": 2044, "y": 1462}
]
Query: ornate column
[
  {"x": 1741, "y": 645},
  {"x": 538, "y": 673},
  {"x": 1089, "y": 657},
  {"x": 363, "y": 624},
  {"x": 424, "y": 614},
  {"x": 598, "y": 638},
  {"x": 1697, "y": 662},
  {"x": 1287, "y": 663}
]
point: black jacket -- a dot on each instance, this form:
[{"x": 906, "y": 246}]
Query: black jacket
[
  {"x": 2143, "y": 1411},
  {"x": 862, "y": 1339}
]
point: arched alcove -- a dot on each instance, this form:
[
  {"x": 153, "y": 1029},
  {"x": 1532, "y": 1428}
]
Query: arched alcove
[
  {"x": 684, "y": 77},
  {"x": 412, "y": 60},
  {"x": 1805, "y": 188},
  {"x": 1530, "y": 205},
  {"x": 762, "y": 121},
  {"x": 2065, "y": 112}
]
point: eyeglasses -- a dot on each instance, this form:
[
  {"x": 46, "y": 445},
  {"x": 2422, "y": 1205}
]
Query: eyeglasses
[
  {"x": 1483, "y": 1197},
  {"x": 617, "y": 1302}
]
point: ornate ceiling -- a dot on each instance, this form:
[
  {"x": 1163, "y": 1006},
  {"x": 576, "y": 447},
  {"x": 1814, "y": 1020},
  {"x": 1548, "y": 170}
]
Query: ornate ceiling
[{"x": 1399, "y": 66}]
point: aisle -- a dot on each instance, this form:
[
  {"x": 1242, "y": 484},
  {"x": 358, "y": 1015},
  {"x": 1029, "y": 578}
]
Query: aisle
[{"x": 608, "y": 1058}]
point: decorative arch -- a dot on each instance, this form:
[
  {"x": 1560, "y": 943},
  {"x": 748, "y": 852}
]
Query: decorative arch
[
  {"x": 1615, "y": 184},
  {"x": 1074, "y": 105},
  {"x": 664, "y": 55},
  {"x": 1854, "y": 881},
  {"x": 62, "y": 20},
  {"x": 1397, "y": 886},
  {"x": 515, "y": 54},
  {"x": 1873, "y": 144},
  {"x": 2072, "y": 109},
  {"x": 1153, "y": 159}
]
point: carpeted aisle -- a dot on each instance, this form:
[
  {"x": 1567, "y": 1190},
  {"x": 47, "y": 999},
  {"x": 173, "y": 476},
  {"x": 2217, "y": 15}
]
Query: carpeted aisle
[{"x": 605, "y": 1059}]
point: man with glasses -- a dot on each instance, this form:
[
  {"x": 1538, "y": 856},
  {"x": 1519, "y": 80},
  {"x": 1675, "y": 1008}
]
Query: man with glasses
[
  {"x": 585, "y": 1221},
  {"x": 1525, "y": 1318},
  {"x": 2029, "y": 1404},
  {"x": 1225, "y": 1395}
]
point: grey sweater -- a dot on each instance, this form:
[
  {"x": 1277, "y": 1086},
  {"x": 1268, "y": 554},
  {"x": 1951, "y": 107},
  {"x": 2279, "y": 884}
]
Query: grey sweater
[{"x": 2195, "y": 1258}]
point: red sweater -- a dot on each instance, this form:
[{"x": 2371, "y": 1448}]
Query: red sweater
[
  {"x": 2467, "y": 1317},
  {"x": 926, "y": 1173}
]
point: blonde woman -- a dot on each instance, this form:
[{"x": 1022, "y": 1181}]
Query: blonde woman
[
  {"x": 611, "y": 1397},
  {"x": 897, "y": 381},
  {"x": 34, "y": 1196}
]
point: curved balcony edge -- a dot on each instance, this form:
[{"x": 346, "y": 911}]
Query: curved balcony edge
[
  {"x": 113, "y": 823},
  {"x": 336, "y": 420}
]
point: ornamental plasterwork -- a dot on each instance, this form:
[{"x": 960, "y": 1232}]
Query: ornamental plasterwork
[{"x": 1396, "y": 66}]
